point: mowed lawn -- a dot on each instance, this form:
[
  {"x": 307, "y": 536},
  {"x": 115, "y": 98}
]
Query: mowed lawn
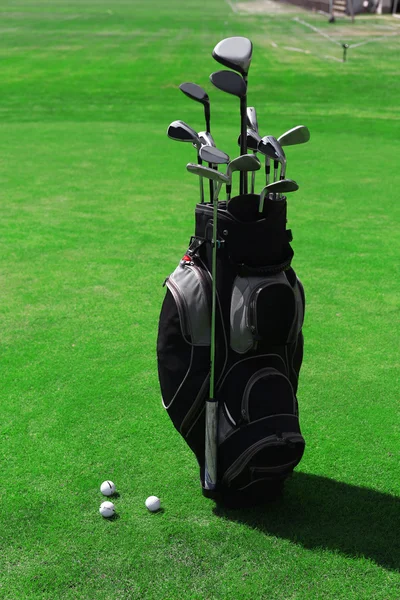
[{"x": 97, "y": 208}]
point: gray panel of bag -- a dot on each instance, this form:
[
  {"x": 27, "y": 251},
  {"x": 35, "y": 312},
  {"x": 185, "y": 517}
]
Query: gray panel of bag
[
  {"x": 244, "y": 295},
  {"x": 191, "y": 292}
]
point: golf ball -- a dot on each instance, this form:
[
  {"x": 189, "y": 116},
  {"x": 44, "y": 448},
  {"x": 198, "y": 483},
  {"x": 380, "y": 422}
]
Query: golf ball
[
  {"x": 153, "y": 503},
  {"x": 107, "y": 488},
  {"x": 107, "y": 509}
]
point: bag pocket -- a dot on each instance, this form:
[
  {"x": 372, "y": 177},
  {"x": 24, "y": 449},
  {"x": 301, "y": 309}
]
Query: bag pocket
[
  {"x": 268, "y": 308},
  {"x": 183, "y": 349},
  {"x": 259, "y": 430}
]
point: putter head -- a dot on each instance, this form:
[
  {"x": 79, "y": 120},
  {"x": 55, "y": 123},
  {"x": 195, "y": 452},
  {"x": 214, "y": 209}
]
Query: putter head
[
  {"x": 182, "y": 132},
  {"x": 206, "y": 138},
  {"x": 207, "y": 172},
  {"x": 253, "y": 139},
  {"x": 229, "y": 82},
  {"x": 251, "y": 115},
  {"x": 296, "y": 135},
  {"x": 234, "y": 53},
  {"x": 269, "y": 146},
  {"x": 245, "y": 162},
  {"x": 212, "y": 155}
]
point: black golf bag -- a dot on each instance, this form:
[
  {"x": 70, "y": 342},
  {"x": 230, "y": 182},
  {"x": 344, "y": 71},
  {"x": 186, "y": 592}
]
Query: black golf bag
[{"x": 259, "y": 347}]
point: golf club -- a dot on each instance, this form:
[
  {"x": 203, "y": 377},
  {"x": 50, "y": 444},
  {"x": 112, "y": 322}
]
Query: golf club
[
  {"x": 245, "y": 162},
  {"x": 251, "y": 115},
  {"x": 182, "y": 132},
  {"x": 207, "y": 140},
  {"x": 211, "y": 411},
  {"x": 271, "y": 148},
  {"x": 253, "y": 139},
  {"x": 236, "y": 53},
  {"x": 277, "y": 187},
  {"x": 232, "y": 83},
  {"x": 213, "y": 157},
  {"x": 294, "y": 136},
  {"x": 195, "y": 92}
]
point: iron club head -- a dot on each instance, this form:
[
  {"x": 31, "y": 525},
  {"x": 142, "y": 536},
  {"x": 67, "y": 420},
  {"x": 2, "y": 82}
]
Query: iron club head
[
  {"x": 294, "y": 136},
  {"x": 277, "y": 187}
]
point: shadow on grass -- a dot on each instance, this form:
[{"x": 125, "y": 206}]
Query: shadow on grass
[{"x": 317, "y": 512}]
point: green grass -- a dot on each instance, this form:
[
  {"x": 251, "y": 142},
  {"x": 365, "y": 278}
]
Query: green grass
[{"x": 96, "y": 210}]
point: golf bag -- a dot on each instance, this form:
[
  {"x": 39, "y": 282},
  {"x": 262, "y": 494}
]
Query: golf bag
[{"x": 258, "y": 347}]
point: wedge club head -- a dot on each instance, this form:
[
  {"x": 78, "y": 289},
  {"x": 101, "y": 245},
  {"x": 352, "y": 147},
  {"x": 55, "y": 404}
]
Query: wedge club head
[
  {"x": 213, "y": 156},
  {"x": 243, "y": 163},
  {"x": 282, "y": 186},
  {"x": 208, "y": 173},
  {"x": 294, "y": 136}
]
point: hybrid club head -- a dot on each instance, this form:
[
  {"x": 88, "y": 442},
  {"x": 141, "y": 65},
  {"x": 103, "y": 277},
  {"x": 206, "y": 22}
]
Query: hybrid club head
[
  {"x": 234, "y": 53},
  {"x": 213, "y": 156},
  {"x": 252, "y": 122},
  {"x": 277, "y": 187},
  {"x": 195, "y": 92},
  {"x": 294, "y": 136}
]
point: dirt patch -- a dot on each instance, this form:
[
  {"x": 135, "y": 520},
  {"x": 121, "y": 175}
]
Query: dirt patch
[{"x": 266, "y": 7}]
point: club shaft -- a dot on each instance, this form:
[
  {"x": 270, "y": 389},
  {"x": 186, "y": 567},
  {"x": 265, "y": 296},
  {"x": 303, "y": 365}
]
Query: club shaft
[
  {"x": 211, "y": 417},
  {"x": 201, "y": 180},
  {"x": 243, "y": 141}
]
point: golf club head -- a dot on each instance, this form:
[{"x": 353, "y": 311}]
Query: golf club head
[
  {"x": 253, "y": 139},
  {"x": 245, "y": 162},
  {"x": 229, "y": 82},
  {"x": 269, "y": 146},
  {"x": 277, "y": 187},
  {"x": 195, "y": 92},
  {"x": 212, "y": 155},
  {"x": 296, "y": 135},
  {"x": 182, "y": 132},
  {"x": 206, "y": 138},
  {"x": 252, "y": 122},
  {"x": 212, "y": 174},
  {"x": 208, "y": 173},
  {"x": 234, "y": 53}
]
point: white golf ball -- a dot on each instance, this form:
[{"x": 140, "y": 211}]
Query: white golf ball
[
  {"x": 107, "y": 488},
  {"x": 153, "y": 503},
  {"x": 107, "y": 509}
]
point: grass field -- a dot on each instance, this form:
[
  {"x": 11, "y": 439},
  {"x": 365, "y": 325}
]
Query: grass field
[{"x": 97, "y": 209}]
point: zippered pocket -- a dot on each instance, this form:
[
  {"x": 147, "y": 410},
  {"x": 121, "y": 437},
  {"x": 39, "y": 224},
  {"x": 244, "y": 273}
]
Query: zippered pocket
[
  {"x": 268, "y": 458},
  {"x": 264, "y": 308},
  {"x": 268, "y": 392}
]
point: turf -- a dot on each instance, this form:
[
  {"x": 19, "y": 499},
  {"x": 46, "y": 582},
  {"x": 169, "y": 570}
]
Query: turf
[{"x": 97, "y": 209}]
